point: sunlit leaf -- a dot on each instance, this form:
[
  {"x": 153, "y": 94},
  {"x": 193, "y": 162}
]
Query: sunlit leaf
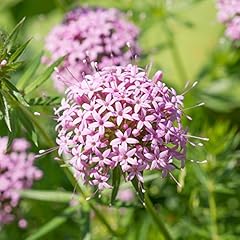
[
  {"x": 49, "y": 196},
  {"x": 5, "y": 110},
  {"x": 43, "y": 77}
]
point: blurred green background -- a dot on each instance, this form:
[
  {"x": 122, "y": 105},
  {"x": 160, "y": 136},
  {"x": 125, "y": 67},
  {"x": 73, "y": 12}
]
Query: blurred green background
[{"x": 184, "y": 39}]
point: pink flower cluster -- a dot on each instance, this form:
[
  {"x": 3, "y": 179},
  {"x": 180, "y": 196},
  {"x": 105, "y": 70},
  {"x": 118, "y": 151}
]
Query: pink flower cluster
[
  {"x": 229, "y": 13},
  {"x": 90, "y": 34},
  {"x": 118, "y": 117},
  {"x": 16, "y": 172}
]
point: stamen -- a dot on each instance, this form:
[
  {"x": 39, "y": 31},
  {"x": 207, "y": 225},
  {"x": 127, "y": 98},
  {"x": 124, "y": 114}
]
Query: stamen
[
  {"x": 56, "y": 69},
  {"x": 44, "y": 152},
  {"x": 72, "y": 75},
  {"x": 128, "y": 44},
  {"x": 175, "y": 180},
  {"x": 198, "y": 105},
  {"x": 148, "y": 68},
  {"x": 186, "y": 85},
  {"x": 36, "y": 113},
  {"x": 92, "y": 196},
  {"x": 200, "y": 162},
  {"x": 133, "y": 56},
  {"x": 193, "y": 85},
  {"x": 196, "y": 137}
]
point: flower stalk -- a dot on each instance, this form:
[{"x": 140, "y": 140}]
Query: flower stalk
[
  {"x": 157, "y": 218},
  {"x": 177, "y": 60}
]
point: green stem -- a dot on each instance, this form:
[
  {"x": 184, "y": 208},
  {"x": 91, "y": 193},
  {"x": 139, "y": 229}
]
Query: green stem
[
  {"x": 177, "y": 60},
  {"x": 104, "y": 221},
  {"x": 213, "y": 212},
  {"x": 91, "y": 204},
  {"x": 156, "y": 217}
]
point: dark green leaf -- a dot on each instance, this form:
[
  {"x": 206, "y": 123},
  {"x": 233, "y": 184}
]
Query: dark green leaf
[
  {"x": 28, "y": 125},
  {"x": 139, "y": 189},
  {"x": 18, "y": 51},
  {"x": 116, "y": 179},
  {"x": 44, "y": 101},
  {"x": 10, "y": 86}
]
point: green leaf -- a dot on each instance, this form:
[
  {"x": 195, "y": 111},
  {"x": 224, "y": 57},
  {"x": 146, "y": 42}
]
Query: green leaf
[
  {"x": 116, "y": 179},
  {"x": 49, "y": 196},
  {"x": 20, "y": 98},
  {"x": 43, "y": 77},
  {"x": 13, "y": 35},
  {"x": 44, "y": 101},
  {"x": 139, "y": 188},
  {"x": 18, "y": 51},
  {"x": 31, "y": 70},
  {"x": 10, "y": 86},
  {"x": 5, "y": 110},
  {"x": 26, "y": 122},
  {"x": 15, "y": 128},
  {"x": 53, "y": 224}
]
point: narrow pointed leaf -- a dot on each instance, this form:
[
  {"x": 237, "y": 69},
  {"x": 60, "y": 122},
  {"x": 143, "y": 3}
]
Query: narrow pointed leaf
[
  {"x": 43, "y": 77},
  {"x": 13, "y": 35},
  {"x": 18, "y": 52},
  {"x": 45, "y": 101},
  {"x": 10, "y": 85},
  {"x": 116, "y": 179},
  {"x": 15, "y": 128},
  {"x": 20, "y": 98},
  {"x": 26, "y": 122},
  {"x": 31, "y": 70},
  {"x": 4, "y": 106},
  {"x": 49, "y": 196}
]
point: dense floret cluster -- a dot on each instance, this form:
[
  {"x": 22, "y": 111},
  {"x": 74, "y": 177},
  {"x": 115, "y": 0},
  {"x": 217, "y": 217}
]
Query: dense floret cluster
[
  {"x": 17, "y": 172},
  {"x": 90, "y": 34},
  {"x": 118, "y": 117}
]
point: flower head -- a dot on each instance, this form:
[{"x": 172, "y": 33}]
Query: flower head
[
  {"x": 16, "y": 173},
  {"x": 90, "y": 35},
  {"x": 133, "y": 123},
  {"x": 228, "y": 13}
]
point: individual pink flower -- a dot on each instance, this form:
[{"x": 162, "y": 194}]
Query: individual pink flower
[
  {"x": 121, "y": 118},
  {"x": 101, "y": 122},
  {"x": 90, "y": 35},
  {"x": 17, "y": 172}
]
